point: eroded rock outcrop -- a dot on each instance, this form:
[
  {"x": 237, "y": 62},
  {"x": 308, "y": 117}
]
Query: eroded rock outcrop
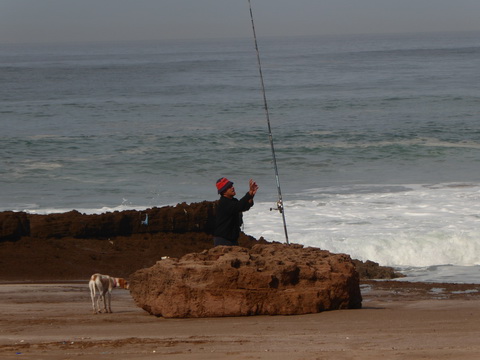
[
  {"x": 271, "y": 279},
  {"x": 182, "y": 218},
  {"x": 13, "y": 225},
  {"x": 372, "y": 270}
]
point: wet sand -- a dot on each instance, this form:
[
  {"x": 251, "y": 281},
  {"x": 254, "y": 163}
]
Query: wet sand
[{"x": 398, "y": 321}]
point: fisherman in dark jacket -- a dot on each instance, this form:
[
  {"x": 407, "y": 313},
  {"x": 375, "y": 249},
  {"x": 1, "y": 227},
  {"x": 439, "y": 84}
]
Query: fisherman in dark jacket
[{"x": 229, "y": 216}]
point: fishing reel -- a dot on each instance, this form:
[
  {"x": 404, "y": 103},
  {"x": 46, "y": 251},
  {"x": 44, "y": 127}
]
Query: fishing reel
[{"x": 279, "y": 207}]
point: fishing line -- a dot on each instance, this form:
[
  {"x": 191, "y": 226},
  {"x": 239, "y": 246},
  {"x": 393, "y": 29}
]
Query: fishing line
[{"x": 279, "y": 207}]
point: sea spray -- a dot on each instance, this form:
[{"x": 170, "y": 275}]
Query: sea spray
[{"x": 419, "y": 226}]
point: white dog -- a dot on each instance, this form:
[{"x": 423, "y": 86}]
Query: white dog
[{"x": 101, "y": 287}]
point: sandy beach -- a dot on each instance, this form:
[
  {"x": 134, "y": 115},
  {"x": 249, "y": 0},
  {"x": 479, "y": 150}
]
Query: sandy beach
[{"x": 399, "y": 320}]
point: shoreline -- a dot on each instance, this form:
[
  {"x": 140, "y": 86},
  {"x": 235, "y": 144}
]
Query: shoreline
[{"x": 398, "y": 320}]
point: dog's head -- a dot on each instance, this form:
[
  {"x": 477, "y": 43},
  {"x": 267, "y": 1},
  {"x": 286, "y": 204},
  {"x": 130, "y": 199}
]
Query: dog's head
[{"x": 123, "y": 283}]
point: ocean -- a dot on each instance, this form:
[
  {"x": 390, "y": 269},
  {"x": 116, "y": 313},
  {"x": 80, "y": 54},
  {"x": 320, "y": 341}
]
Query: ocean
[{"x": 377, "y": 137}]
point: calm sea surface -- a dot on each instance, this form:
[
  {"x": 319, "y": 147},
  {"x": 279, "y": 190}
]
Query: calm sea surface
[{"x": 377, "y": 137}]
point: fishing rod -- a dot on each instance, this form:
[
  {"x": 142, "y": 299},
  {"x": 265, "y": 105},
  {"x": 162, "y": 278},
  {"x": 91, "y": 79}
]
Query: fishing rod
[{"x": 279, "y": 207}]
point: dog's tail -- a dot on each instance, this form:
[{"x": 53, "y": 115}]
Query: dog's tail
[{"x": 92, "y": 284}]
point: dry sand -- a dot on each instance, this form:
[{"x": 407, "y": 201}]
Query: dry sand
[{"x": 398, "y": 321}]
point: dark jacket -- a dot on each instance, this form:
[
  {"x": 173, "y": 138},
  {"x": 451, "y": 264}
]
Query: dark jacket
[{"x": 229, "y": 217}]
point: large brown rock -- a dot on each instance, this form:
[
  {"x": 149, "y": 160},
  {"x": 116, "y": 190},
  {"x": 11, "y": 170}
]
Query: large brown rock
[{"x": 271, "y": 279}]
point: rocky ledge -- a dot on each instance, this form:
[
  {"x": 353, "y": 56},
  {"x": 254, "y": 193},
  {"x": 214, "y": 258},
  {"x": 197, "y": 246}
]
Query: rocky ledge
[{"x": 72, "y": 245}]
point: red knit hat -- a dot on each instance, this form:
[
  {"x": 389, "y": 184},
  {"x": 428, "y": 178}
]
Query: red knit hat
[{"x": 223, "y": 184}]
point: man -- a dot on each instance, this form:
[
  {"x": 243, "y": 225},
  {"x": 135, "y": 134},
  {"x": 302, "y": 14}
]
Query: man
[{"x": 229, "y": 217}]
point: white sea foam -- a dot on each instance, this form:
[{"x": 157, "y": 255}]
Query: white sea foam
[
  {"x": 442, "y": 273},
  {"x": 88, "y": 211},
  {"x": 420, "y": 226},
  {"x": 41, "y": 165}
]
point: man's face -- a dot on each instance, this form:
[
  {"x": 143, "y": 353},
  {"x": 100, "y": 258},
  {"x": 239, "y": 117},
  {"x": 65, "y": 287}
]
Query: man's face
[{"x": 230, "y": 192}]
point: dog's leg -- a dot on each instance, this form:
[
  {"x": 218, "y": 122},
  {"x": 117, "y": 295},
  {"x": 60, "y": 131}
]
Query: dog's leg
[
  {"x": 99, "y": 303},
  {"x": 104, "y": 301},
  {"x": 108, "y": 293},
  {"x": 101, "y": 295},
  {"x": 109, "y": 299},
  {"x": 93, "y": 295}
]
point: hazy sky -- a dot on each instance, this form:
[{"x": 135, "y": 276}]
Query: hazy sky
[{"x": 99, "y": 20}]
